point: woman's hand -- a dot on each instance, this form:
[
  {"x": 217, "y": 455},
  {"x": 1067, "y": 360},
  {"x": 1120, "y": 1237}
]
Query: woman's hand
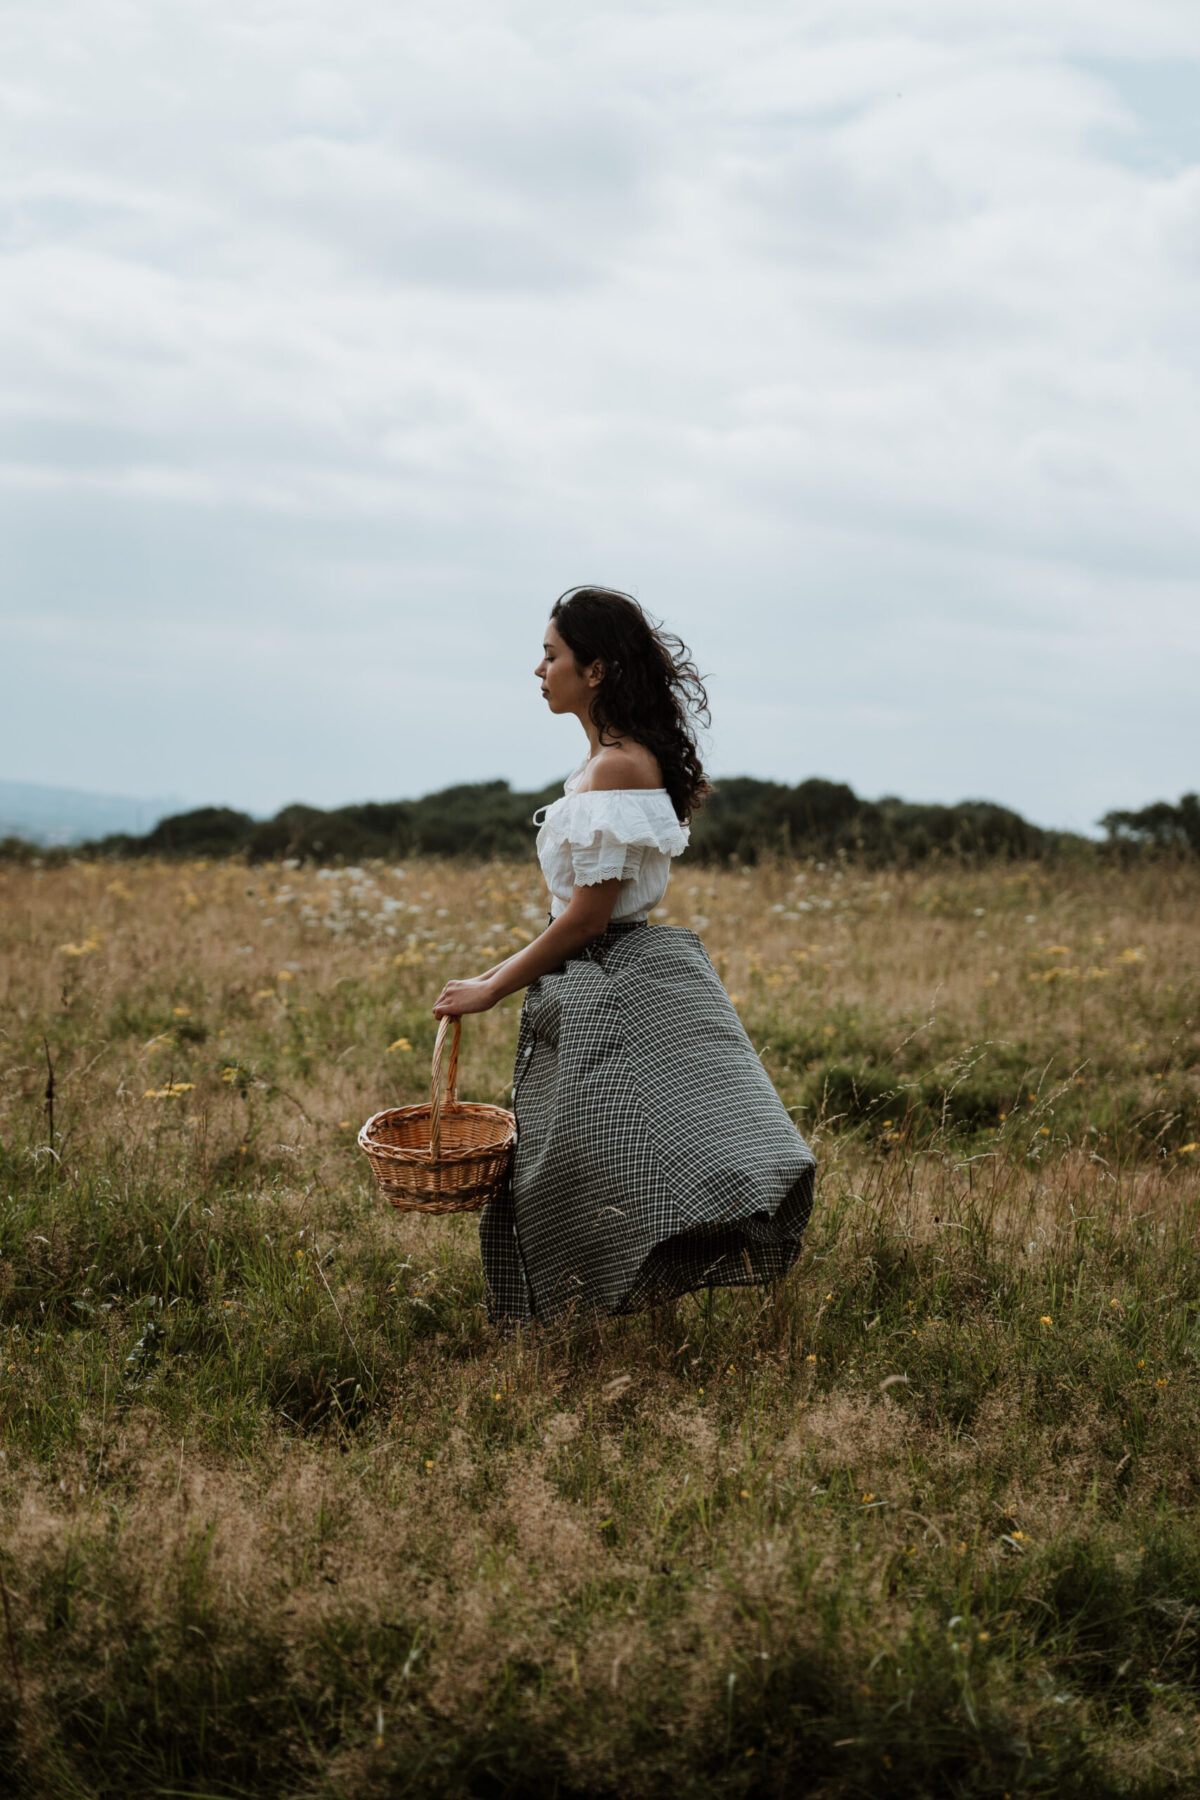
[{"x": 459, "y": 997}]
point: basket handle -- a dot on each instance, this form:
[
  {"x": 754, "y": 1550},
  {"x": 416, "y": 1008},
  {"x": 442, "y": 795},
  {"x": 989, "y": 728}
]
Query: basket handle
[{"x": 435, "y": 1082}]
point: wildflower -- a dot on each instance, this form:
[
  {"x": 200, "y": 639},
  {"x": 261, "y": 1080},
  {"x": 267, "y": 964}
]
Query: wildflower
[
  {"x": 181, "y": 1012},
  {"x": 1046, "y": 1319},
  {"x": 85, "y": 949},
  {"x": 810, "y": 1359},
  {"x": 1187, "y": 1149},
  {"x": 343, "y": 1124},
  {"x": 428, "y": 1464},
  {"x": 401, "y": 1043},
  {"x": 169, "y": 1092},
  {"x": 745, "y": 1493},
  {"x": 285, "y": 975},
  {"x": 1133, "y": 956},
  {"x": 1161, "y": 1382},
  {"x": 1019, "y": 1535},
  {"x": 1141, "y": 1362},
  {"x": 867, "y": 1498}
]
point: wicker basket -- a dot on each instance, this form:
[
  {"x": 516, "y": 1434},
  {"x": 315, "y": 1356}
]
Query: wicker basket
[{"x": 446, "y": 1156}]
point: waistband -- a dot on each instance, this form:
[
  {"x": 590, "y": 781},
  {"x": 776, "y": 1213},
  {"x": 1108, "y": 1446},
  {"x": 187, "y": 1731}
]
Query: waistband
[{"x": 609, "y": 936}]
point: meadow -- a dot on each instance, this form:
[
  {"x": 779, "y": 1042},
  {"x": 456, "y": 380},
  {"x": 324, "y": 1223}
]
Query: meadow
[{"x": 281, "y": 1515}]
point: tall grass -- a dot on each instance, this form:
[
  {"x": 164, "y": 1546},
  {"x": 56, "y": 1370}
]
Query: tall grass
[{"x": 280, "y": 1515}]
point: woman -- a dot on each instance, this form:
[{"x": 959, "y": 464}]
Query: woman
[{"x": 653, "y": 1155}]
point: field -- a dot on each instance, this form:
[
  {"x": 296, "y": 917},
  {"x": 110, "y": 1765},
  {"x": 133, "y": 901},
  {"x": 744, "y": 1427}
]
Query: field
[{"x": 280, "y": 1514}]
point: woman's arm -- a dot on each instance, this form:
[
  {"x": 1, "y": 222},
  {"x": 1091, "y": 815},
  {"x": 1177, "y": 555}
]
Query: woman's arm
[{"x": 585, "y": 918}]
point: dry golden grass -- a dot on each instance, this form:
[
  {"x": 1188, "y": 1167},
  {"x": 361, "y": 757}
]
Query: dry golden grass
[{"x": 279, "y": 1514}]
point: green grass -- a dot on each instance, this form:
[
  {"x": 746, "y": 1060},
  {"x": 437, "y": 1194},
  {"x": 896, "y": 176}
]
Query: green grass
[{"x": 280, "y": 1514}]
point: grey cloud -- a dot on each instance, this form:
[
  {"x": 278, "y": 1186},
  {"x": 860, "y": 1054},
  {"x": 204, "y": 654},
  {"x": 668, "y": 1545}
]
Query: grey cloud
[{"x": 860, "y": 341}]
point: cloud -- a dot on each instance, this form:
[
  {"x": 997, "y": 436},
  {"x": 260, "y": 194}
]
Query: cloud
[{"x": 860, "y": 342}]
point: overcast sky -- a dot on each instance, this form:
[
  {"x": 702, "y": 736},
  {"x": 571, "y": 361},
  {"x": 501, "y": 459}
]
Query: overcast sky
[{"x": 861, "y": 340}]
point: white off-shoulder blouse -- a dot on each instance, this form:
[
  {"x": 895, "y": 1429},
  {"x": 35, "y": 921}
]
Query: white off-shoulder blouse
[{"x": 606, "y": 834}]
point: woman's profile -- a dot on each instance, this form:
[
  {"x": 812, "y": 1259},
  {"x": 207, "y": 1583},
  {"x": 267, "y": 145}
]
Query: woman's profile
[{"x": 653, "y": 1154}]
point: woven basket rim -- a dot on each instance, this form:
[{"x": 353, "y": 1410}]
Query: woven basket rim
[{"x": 504, "y": 1120}]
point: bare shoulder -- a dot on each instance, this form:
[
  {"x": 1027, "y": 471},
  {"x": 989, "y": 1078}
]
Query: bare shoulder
[{"x": 625, "y": 765}]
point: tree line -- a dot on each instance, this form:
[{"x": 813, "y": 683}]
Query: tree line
[{"x": 743, "y": 821}]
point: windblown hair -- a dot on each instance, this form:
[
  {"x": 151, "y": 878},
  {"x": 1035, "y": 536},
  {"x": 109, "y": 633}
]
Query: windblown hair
[{"x": 651, "y": 691}]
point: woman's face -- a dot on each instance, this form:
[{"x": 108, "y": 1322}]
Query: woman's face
[{"x": 565, "y": 687}]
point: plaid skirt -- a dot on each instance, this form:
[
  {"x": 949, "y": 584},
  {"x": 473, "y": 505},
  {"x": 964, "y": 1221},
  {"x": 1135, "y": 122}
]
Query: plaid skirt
[{"x": 653, "y": 1154}]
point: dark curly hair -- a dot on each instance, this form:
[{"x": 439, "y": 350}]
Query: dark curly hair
[{"x": 651, "y": 690}]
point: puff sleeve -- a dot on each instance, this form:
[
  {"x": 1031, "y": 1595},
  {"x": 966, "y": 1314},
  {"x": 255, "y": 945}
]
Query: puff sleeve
[{"x": 608, "y": 858}]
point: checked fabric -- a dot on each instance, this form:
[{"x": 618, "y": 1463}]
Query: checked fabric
[{"x": 653, "y": 1154}]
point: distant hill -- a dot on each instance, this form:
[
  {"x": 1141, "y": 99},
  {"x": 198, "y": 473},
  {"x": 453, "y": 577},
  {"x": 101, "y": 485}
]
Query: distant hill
[{"x": 59, "y": 816}]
